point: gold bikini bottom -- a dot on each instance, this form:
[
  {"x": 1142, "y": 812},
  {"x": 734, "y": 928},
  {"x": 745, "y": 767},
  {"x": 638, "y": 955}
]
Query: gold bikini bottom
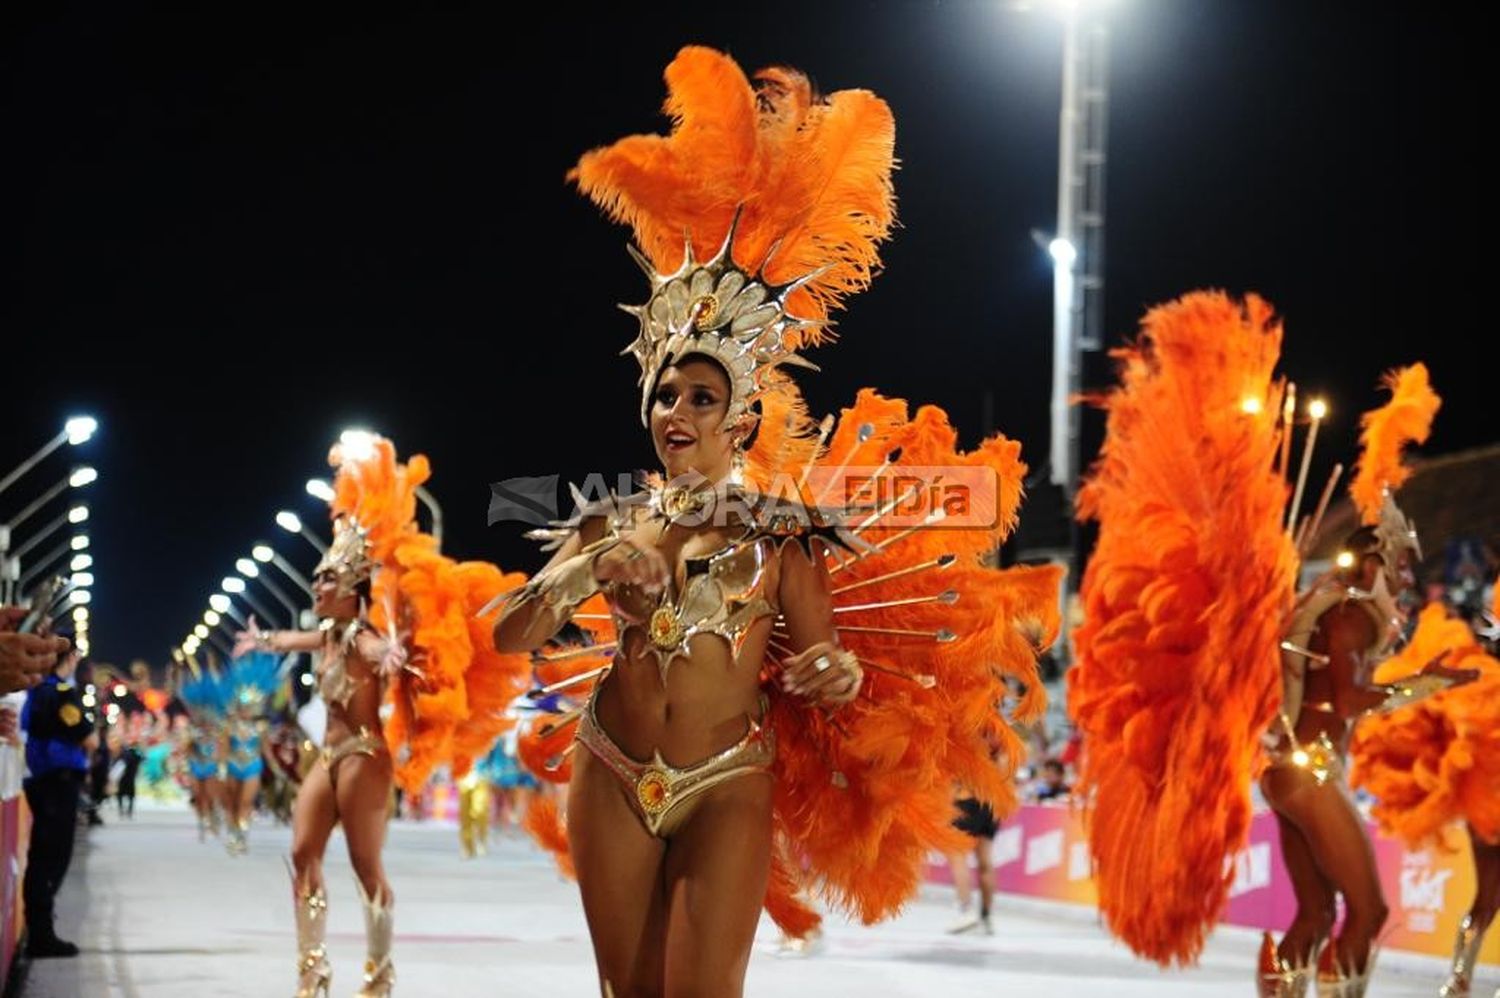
[
  {"x": 660, "y": 791},
  {"x": 367, "y": 742}
]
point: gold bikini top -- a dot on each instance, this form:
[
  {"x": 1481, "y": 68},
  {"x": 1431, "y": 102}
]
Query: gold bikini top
[
  {"x": 335, "y": 684},
  {"x": 723, "y": 592}
]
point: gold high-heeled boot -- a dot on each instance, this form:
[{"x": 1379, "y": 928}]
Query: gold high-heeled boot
[
  {"x": 1465, "y": 955},
  {"x": 1277, "y": 978},
  {"x": 380, "y": 973},
  {"x": 314, "y": 974},
  {"x": 238, "y": 843},
  {"x": 1337, "y": 981}
]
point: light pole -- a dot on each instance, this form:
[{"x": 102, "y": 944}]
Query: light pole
[
  {"x": 267, "y": 555},
  {"x": 1077, "y": 248},
  {"x": 220, "y": 604},
  {"x": 292, "y": 523},
  {"x": 75, "y": 431},
  {"x": 14, "y": 580},
  {"x": 250, "y": 570},
  {"x": 39, "y": 565},
  {"x": 78, "y": 478},
  {"x": 235, "y": 586}
]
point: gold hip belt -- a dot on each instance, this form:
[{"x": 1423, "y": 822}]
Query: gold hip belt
[
  {"x": 659, "y": 790},
  {"x": 1318, "y": 758}
]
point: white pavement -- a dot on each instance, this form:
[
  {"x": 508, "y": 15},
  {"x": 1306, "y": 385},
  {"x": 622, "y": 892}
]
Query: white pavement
[{"x": 160, "y": 916}]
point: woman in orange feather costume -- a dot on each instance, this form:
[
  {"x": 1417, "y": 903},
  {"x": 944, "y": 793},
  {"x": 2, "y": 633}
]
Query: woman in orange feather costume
[
  {"x": 1341, "y": 629},
  {"x": 397, "y": 617},
  {"x": 1181, "y": 664},
  {"x": 790, "y": 691},
  {"x": 1439, "y": 763}
]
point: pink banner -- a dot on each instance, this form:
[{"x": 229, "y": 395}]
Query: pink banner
[
  {"x": 1043, "y": 852},
  {"x": 13, "y": 823}
]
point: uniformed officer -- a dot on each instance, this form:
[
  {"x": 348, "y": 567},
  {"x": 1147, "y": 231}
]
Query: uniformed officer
[{"x": 60, "y": 736}]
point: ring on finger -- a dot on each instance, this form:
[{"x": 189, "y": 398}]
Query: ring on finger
[{"x": 822, "y": 663}]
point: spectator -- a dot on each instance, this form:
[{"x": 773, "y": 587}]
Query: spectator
[
  {"x": 1054, "y": 784},
  {"x": 60, "y": 737},
  {"x": 25, "y": 659},
  {"x": 130, "y": 758},
  {"x": 98, "y": 782}
]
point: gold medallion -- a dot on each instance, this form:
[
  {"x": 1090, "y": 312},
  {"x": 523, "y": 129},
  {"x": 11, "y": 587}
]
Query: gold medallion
[
  {"x": 664, "y": 628},
  {"x": 653, "y": 792}
]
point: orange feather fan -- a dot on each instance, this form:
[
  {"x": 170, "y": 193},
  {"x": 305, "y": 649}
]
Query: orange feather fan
[
  {"x": 1177, "y": 674},
  {"x": 1437, "y": 761}
]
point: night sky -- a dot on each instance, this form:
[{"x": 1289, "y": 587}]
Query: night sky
[{"x": 229, "y": 233}]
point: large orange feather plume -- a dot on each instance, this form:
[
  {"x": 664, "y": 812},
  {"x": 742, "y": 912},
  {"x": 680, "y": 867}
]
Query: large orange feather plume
[
  {"x": 450, "y": 702},
  {"x": 1437, "y": 761},
  {"x": 813, "y": 177},
  {"x": 1177, "y": 673},
  {"x": 1384, "y": 434}
]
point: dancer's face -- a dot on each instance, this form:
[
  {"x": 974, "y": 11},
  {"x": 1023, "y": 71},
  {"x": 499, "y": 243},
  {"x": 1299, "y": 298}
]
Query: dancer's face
[
  {"x": 686, "y": 419},
  {"x": 328, "y": 603},
  {"x": 1404, "y": 574}
]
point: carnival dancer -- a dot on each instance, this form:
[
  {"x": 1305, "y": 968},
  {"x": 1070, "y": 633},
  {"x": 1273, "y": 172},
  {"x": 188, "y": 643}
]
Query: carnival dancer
[{"x": 793, "y": 677}]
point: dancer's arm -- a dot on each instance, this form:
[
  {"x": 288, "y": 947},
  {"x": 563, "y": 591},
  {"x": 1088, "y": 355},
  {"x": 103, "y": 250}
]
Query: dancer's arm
[
  {"x": 280, "y": 642},
  {"x": 820, "y": 670},
  {"x": 587, "y": 561}
]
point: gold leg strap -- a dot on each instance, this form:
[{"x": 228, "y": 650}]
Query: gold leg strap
[
  {"x": 380, "y": 973},
  {"x": 1465, "y": 956}
]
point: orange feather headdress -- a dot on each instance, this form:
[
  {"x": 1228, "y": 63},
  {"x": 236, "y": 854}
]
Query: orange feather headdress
[
  {"x": 755, "y": 217},
  {"x": 1384, "y": 434}
]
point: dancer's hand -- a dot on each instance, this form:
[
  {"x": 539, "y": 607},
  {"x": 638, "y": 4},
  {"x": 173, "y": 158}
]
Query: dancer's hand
[
  {"x": 248, "y": 640},
  {"x": 823, "y": 673},
  {"x": 634, "y": 563}
]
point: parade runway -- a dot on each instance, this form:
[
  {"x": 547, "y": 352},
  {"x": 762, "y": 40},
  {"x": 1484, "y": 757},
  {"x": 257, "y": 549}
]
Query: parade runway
[{"x": 160, "y": 916}]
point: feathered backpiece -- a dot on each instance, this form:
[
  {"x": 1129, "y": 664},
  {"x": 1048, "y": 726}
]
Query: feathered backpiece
[
  {"x": 1437, "y": 761},
  {"x": 451, "y": 698},
  {"x": 205, "y": 693},
  {"x": 1177, "y": 674},
  {"x": 451, "y": 685},
  {"x": 1384, "y": 435},
  {"x": 757, "y": 215}
]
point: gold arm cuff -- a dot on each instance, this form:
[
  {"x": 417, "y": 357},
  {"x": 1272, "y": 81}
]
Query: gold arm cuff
[
  {"x": 568, "y": 583},
  {"x": 1409, "y": 691}
]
